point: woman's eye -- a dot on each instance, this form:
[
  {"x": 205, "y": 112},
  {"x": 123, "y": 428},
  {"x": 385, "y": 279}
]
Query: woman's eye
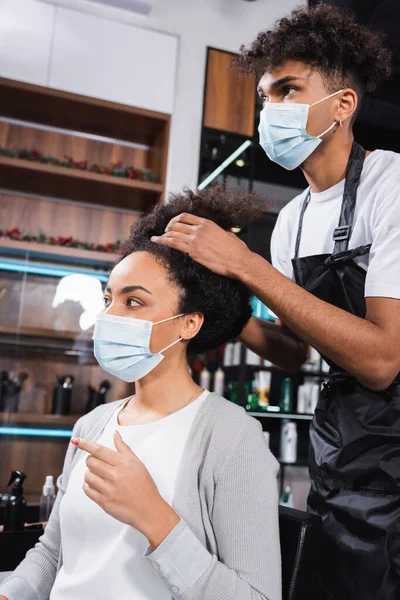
[
  {"x": 106, "y": 301},
  {"x": 132, "y": 302}
]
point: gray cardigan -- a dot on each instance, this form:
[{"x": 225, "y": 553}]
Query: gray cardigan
[{"x": 226, "y": 545}]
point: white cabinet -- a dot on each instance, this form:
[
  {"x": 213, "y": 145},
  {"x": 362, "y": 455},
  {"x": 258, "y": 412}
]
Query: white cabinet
[
  {"x": 121, "y": 63},
  {"x": 25, "y": 40}
]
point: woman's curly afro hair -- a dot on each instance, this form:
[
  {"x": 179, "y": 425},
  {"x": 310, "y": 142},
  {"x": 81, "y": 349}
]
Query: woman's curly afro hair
[
  {"x": 327, "y": 38},
  {"x": 224, "y": 302}
]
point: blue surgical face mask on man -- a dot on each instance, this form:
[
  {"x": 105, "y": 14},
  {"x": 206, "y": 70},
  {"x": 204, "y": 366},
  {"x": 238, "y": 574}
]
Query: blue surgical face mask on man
[
  {"x": 283, "y": 134},
  {"x": 122, "y": 346}
]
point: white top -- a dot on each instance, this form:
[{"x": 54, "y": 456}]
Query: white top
[
  {"x": 102, "y": 557},
  {"x": 376, "y": 221}
]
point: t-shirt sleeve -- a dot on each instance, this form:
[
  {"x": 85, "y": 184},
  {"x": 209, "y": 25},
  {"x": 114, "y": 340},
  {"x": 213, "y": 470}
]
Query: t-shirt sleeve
[
  {"x": 383, "y": 274},
  {"x": 280, "y": 245}
]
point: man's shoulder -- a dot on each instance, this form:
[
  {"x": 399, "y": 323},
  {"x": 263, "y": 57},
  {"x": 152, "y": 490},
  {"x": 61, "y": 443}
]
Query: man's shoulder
[{"x": 382, "y": 165}]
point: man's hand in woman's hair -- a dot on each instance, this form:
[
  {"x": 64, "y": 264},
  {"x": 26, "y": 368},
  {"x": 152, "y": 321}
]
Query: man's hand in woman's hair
[
  {"x": 207, "y": 243},
  {"x": 122, "y": 486}
]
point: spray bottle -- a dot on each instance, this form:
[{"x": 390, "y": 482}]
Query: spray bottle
[{"x": 14, "y": 509}]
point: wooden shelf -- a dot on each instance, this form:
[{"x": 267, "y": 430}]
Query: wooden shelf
[
  {"x": 45, "y": 333},
  {"x": 37, "y": 419},
  {"x": 59, "y": 253},
  {"x": 73, "y": 184},
  {"x": 52, "y": 107}
]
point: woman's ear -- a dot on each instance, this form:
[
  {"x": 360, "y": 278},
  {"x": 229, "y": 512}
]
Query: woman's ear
[{"x": 191, "y": 325}]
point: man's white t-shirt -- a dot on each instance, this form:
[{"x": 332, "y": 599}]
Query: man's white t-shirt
[
  {"x": 376, "y": 222},
  {"x": 102, "y": 557}
]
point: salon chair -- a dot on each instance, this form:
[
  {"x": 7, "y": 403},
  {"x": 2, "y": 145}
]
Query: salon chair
[{"x": 299, "y": 534}]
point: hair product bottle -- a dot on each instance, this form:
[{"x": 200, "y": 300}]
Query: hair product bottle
[
  {"x": 14, "y": 508},
  {"x": 219, "y": 381},
  {"x": 288, "y": 452}
]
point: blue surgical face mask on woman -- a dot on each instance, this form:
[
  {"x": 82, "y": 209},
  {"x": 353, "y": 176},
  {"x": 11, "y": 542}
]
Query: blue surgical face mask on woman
[
  {"x": 283, "y": 134},
  {"x": 122, "y": 346}
]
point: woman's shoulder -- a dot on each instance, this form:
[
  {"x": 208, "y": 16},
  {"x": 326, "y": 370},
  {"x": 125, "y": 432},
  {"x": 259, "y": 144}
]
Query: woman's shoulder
[
  {"x": 236, "y": 435},
  {"x": 230, "y": 419}
]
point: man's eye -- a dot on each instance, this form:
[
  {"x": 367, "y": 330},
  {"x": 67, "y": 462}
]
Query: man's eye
[
  {"x": 288, "y": 90},
  {"x": 106, "y": 301}
]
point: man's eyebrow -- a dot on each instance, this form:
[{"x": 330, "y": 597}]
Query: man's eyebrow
[{"x": 279, "y": 82}]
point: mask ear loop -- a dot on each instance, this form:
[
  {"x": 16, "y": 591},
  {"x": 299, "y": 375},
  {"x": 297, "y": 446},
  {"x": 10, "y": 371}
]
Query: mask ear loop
[
  {"x": 169, "y": 319},
  {"x": 163, "y": 321},
  {"x": 326, "y": 98},
  {"x": 323, "y": 100},
  {"x": 170, "y": 346},
  {"x": 329, "y": 128}
]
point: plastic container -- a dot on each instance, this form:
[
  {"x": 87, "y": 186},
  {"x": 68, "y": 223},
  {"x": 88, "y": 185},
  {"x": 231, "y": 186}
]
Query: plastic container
[
  {"x": 264, "y": 387},
  {"x": 219, "y": 381},
  {"x": 47, "y": 499},
  {"x": 285, "y": 403},
  {"x": 205, "y": 379},
  {"x": 288, "y": 453},
  {"x": 287, "y": 497}
]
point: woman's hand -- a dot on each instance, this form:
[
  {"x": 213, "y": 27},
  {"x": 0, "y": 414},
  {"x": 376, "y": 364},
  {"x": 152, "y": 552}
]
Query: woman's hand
[
  {"x": 207, "y": 243},
  {"x": 122, "y": 486}
]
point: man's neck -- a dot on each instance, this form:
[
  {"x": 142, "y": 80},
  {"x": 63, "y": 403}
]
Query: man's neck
[{"x": 327, "y": 165}]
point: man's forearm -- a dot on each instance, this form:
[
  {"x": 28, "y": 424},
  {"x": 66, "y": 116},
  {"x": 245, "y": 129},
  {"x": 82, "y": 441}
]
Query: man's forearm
[
  {"x": 274, "y": 342},
  {"x": 355, "y": 344}
]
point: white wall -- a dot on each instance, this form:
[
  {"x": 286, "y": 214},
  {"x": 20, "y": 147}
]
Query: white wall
[{"x": 223, "y": 24}]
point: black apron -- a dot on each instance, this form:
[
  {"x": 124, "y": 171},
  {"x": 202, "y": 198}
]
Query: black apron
[{"x": 355, "y": 437}]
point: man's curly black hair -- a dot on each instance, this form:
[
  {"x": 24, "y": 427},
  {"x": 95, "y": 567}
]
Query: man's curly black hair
[
  {"x": 329, "y": 39},
  {"x": 224, "y": 302}
]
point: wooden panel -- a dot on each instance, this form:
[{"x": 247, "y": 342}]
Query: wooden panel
[
  {"x": 157, "y": 160},
  {"x": 229, "y": 96},
  {"x": 83, "y": 223}
]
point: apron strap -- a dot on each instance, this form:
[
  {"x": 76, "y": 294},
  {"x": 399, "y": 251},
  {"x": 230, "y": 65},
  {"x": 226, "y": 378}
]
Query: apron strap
[
  {"x": 342, "y": 233},
  {"x": 300, "y": 227}
]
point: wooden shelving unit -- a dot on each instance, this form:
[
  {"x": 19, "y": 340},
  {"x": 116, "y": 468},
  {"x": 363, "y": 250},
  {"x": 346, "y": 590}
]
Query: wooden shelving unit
[
  {"x": 84, "y": 205},
  {"x": 113, "y": 131}
]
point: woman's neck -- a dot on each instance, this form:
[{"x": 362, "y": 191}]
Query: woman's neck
[
  {"x": 327, "y": 165},
  {"x": 165, "y": 390}
]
